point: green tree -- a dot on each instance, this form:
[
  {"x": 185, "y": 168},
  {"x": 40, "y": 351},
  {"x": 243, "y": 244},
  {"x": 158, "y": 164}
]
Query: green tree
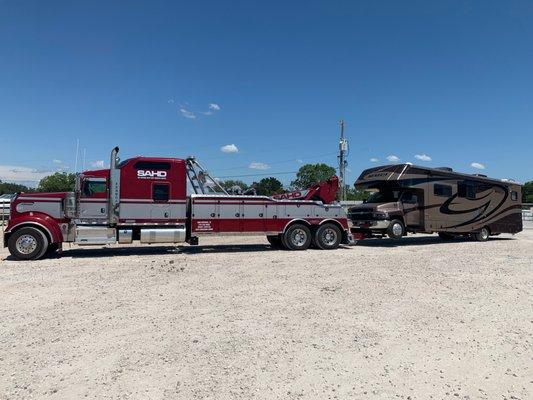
[
  {"x": 527, "y": 192},
  {"x": 310, "y": 174},
  {"x": 268, "y": 186},
  {"x": 58, "y": 182},
  {"x": 230, "y": 184},
  {"x": 10, "y": 188},
  {"x": 353, "y": 194}
]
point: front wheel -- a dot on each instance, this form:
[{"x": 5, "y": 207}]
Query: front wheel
[
  {"x": 482, "y": 235},
  {"x": 328, "y": 237},
  {"x": 396, "y": 229},
  {"x": 27, "y": 244},
  {"x": 297, "y": 237}
]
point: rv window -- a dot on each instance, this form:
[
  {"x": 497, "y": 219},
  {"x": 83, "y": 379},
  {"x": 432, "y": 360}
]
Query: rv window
[
  {"x": 442, "y": 190},
  {"x": 160, "y": 192},
  {"x": 152, "y": 165},
  {"x": 514, "y": 196},
  {"x": 466, "y": 190}
]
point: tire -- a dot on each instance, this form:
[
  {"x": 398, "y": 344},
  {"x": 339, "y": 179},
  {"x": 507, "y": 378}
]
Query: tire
[
  {"x": 396, "y": 229},
  {"x": 27, "y": 244},
  {"x": 446, "y": 236},
  {"x": 275, "y": 241},
  {"x": 482, "y": 235},
  {"x": 297, "y": 237},
  {"x": 328, "y": 237}
]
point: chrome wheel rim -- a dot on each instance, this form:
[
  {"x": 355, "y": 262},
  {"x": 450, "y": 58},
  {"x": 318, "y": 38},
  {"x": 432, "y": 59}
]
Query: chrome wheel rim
[
  {"x": 397, "y": 230},
  {"x": 26, "y": 244},
  {"x": 298, "y": 237},
  {"x": 329, "y": 237},
  {"x": 484, "y": 234}
]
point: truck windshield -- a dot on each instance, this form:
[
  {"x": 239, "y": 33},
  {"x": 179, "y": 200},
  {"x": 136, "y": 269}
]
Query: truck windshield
[{"x": 384, "y": 196}]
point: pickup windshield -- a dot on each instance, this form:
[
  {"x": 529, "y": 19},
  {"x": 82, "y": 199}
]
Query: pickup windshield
[{"x": 384, "y": 196}]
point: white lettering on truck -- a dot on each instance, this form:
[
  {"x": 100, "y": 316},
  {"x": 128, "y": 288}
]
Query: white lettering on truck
[{"x": 147, "y": 174}]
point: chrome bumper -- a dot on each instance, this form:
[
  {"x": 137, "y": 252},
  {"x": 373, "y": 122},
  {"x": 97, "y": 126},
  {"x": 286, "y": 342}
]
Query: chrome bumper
[{"x": 378, "y": 225}]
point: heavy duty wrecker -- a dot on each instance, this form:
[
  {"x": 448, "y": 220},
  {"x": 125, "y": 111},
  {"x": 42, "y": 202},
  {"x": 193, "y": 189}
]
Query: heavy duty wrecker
[{"x": 145, "y": 199}]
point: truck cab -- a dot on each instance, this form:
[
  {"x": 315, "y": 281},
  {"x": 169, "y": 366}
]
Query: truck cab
[
  {"x": 388, "y": 210},
  {"x": 145, "y": 199}
]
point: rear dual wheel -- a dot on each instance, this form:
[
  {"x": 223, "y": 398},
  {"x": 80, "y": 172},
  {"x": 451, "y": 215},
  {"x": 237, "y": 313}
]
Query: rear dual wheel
[
  {"x": 299, "y": 237},
  {"x": 482, "y": 235},
  {"x": 328, "y": 237}
]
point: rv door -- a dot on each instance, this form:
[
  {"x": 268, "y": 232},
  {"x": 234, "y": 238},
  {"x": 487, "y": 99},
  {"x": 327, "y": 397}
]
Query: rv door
[{"x": 412, "y": 210}]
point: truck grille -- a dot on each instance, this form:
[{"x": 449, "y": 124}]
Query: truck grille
[{"x": 360, "y": 216}]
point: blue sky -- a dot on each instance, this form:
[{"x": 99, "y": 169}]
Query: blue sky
[{"x": 450, "y": 80}]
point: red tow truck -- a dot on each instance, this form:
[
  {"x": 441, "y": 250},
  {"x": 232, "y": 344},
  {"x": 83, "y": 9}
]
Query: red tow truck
[{"x": 145, "y": 199}]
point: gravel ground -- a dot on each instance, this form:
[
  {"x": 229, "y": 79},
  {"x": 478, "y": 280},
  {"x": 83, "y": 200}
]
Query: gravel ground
[{"x": 233, "y": 319}]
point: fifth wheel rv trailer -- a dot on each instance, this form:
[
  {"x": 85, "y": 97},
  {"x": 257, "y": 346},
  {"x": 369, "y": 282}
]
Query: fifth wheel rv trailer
[{"x": 408, "y": 198}]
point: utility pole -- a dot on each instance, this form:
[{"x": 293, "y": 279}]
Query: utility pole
[{"x": 343, "y": 152}]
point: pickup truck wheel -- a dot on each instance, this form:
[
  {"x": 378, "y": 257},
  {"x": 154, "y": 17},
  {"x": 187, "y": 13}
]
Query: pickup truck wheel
[
  {"x": 275, "y": 241},
  {"x": 482, "y": 235},
  {"x": 328, "y": 237},
  {"x": 297, "y": 237},
  {"x": 27, "y": 244},
  {"x": 396, "y": 229}
]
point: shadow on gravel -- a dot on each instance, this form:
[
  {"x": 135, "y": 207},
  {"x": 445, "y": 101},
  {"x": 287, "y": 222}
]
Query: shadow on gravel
[
  {"x": 158, "y": 250},
  {"x": 417, "y": 241}
]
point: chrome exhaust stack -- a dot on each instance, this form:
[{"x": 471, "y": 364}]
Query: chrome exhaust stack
[{"x": 114, "y": 188}]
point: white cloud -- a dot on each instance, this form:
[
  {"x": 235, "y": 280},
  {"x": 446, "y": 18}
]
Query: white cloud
[
  {"x": 170, "y": 101},
  {"x": 214, "y": 107},
  {"x": 229, "y": 148},
  {"x": 56, "y": 161},
  {"x": 97, "y": 164},
  {"x": 299, "y": 161},
  {"x": 393, "y": 158},
  {"x": 187, "y": 114},
  {"x": 477, "y": 165},
  {"x": 374, "y": 159},
  {"x": 12, "y": 173},
  {"x": 423, "y": 157},
  {"x": 259, "y": 165}
]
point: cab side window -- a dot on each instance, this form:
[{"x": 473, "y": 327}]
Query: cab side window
[
  {"x": 409, "y": 198},
  {"x": 514, "y": 196},
  {"x": 94, "y": 188}
]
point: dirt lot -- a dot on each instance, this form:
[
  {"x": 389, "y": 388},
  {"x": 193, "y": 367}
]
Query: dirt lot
[{"x": 416, "y": 319}]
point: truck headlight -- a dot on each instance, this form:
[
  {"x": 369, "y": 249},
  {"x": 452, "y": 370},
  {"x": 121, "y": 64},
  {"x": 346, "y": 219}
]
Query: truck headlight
[{"x": 379, "y": 215}]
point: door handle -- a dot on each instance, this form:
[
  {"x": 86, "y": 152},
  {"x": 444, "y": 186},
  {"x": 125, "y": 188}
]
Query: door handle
[
  {"x": 237, "y": 214},
  {"x": 261, "y": 215},
  {"x": 102, "y": 210},
  {"x": 212, "y": 215}
]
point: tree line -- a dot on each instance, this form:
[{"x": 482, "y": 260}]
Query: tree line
[{"x": 307, "y": 176}]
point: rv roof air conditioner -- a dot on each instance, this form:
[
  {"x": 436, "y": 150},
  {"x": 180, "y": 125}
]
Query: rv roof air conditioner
[{"x": 445, "y": 169}]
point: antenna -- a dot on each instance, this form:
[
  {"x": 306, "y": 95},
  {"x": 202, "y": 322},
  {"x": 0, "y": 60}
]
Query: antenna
[
  {"x": 343, "y": 152},
  {"x": 77, "y": 151},
  {"x": 84, "y": 154}
]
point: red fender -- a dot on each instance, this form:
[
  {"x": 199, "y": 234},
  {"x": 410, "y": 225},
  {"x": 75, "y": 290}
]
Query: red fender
[{"x": 40, "y": 220}]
